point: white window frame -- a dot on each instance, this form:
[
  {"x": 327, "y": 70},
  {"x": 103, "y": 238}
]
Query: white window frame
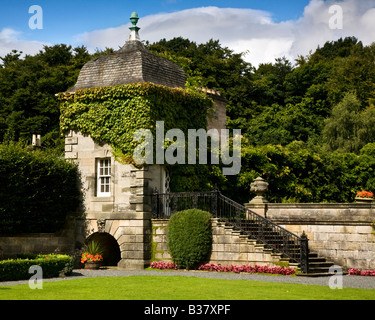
[{"x": 104, "y": 179}]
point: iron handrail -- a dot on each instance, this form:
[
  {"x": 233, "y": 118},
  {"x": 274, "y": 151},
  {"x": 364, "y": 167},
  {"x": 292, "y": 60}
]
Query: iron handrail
[{"x": 245, "y": 220}]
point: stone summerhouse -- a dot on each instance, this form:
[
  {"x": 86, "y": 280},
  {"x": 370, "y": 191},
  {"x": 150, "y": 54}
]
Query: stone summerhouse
[{"x": 117, "y": 197}]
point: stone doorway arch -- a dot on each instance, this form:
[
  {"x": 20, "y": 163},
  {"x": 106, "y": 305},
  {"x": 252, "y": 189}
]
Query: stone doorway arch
[
  {"x": 132, "y": 233},
  {"x": 111, "y": 249}
]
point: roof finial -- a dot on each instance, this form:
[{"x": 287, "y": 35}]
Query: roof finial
[{"x": 134, "y": 29}]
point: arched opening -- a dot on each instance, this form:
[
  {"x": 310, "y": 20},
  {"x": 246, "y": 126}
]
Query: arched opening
[{"x": 111, "y": 249}]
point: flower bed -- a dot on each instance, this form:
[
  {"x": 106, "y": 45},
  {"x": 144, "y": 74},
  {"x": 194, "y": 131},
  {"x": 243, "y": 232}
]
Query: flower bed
[
  {"x": 163, "y": 265},
  {"x": 365, "y": 194},
  {"x": 358, "y": 272},
  {"x": 229, "y": 268},
  {"x": 247, "y": 269}
]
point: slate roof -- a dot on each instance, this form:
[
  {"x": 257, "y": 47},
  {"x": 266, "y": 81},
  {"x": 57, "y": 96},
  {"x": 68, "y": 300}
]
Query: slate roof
[{"x": 132, "y": 63}]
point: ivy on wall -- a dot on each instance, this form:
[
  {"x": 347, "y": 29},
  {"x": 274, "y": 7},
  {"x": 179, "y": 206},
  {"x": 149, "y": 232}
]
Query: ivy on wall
[{"x": 113, "y": 114}]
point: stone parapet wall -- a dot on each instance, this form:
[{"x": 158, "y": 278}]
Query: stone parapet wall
[
  {"x": 322, "y": 213},
  {"x": 342, "y": 233},
  {"x": 347, "y": 246}
]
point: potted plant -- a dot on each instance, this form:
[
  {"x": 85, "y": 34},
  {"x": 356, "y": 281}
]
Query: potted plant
[
  {"x": 92, "y": 256},
  {"x": 364, "y": 196}
]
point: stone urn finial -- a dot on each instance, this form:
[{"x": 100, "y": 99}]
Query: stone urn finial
[
  {"x": 134, "y": 29},
  {"x": 260, "y": 187}
]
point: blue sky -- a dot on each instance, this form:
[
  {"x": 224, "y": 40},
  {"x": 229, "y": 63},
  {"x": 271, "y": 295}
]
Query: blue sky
[
  {"x": 267, "y": 28},
  {"x": 64, "y": 19}
]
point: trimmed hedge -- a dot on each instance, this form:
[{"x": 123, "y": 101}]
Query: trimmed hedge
[
  {"x": 52, "y": 266},
  {"x": 38, "y": 190},
  {"x": 189, "y": 237}
]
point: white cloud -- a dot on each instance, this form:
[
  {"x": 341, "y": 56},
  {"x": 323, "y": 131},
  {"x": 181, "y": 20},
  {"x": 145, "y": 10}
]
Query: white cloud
[
  {"x": 9, "y": 40},
  {"x": 200, "y": 24},
  {"x": 249, "y": 30},
  {"x": 313, "y": 28}
]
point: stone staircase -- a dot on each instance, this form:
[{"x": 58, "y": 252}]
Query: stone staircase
[
  {"x": 263, "y": 235},
  {"x": 231, "y": 247},
  {"x": 318, "y": 266},
  {"x": 269, "y": 238}
]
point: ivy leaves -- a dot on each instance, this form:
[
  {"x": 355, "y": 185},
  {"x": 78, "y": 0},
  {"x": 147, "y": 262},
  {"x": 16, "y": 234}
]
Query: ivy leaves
[{"x": 113, "y": 114}]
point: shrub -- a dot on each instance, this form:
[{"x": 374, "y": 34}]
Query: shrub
[
  {"x": 52, "y": 266},
  {"x": 37, "y": 190},
  {"x": 189, "y": 237}
]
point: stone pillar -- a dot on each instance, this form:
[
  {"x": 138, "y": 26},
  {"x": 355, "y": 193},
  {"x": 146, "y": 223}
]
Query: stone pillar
[
  {"x": 135, "y": 241},
  {"x": 259, "y": 204}
]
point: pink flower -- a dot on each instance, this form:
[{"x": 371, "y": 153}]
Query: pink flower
[
  {"x": 247, "y": 268},
  {"x": 358, "y": 272}
]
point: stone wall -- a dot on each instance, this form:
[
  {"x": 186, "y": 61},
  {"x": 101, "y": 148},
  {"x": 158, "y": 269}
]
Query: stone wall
[
  {"x": 159, "y": 250},
  {"x": 42, "y": 243},
  {"x": 126, "y": 213},
  {"x": 228, "y": 247},
  {"x": 342, "y": 233},
  {"x": 131, "y": 232},
  {"x": 218, "y": 120}
]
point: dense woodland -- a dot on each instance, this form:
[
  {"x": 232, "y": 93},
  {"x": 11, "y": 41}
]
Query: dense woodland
[{"x": 307, "y": 125}]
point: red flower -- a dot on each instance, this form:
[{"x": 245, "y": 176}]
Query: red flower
[
  {"x": 90, "y": 257},
  {"x": 365, "y": 194}
]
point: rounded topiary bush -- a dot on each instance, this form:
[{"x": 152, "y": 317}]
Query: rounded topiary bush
[{"x": 189, "y": 237}]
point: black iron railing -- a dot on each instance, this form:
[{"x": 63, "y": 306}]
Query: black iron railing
[{"x": 248, "y": 222}]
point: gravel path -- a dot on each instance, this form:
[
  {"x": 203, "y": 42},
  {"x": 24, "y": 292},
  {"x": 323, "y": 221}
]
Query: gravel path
[{"x": 348, "y": 281}]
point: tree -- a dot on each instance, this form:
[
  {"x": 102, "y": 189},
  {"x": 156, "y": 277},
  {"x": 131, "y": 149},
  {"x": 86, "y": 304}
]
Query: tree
[
  {"x": 213, "y": 66},
  {"x": 27, "y": 92},
  {"x": 343, "y": 128},
  {"x": 355, "y": 73},
  {"x": 339, "y": 48}
]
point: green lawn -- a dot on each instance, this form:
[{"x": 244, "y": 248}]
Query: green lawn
[{"x": 177, "y": 288}]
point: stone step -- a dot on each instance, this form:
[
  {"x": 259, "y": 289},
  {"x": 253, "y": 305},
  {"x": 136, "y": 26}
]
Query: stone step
[
  {"x": 318, "y": 266},
  {"x": 318, "y": 269},
  {"x": 320, "y": 262}
]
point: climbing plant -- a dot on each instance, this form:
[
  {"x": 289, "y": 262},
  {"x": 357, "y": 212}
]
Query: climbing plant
[{"x": 113, "y": 114}]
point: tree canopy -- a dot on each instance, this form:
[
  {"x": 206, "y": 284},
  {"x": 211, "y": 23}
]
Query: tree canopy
[{"x": 323, "y": 103}]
